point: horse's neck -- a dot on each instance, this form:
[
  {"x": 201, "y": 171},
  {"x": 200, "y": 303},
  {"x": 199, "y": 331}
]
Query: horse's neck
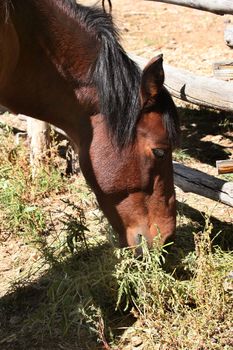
[
  {"x": 50, "y": 79},
  {"x": 9, "y": 51},
  {"x": 59, "y": 30}
]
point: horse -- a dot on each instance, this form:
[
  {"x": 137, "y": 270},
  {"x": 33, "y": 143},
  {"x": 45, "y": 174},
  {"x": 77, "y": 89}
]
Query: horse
[{"x": 62, "y": 62}]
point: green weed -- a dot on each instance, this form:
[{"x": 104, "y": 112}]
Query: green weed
[
  {"x": 21, "y": 195},
  {"x": 181, "y": 155}
]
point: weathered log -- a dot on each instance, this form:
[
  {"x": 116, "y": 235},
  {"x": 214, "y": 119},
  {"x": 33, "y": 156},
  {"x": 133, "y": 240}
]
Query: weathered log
[
  {"x": 219, "y": 7},
  {"x": 197, "y": 89},
  {"x": 200, "y": 90},
  {"x": 195, "y": 181},
  {"x": 224, "y": 166},
  {"x": 223, "y": 70}
]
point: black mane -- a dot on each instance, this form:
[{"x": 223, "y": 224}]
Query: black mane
[
  {"x": 170, "y": 118},
  {"x": 116, "y": 76}
]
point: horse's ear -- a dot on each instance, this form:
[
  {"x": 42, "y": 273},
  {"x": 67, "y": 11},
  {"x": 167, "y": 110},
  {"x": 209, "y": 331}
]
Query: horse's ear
[{"x": 152, "y": 79}]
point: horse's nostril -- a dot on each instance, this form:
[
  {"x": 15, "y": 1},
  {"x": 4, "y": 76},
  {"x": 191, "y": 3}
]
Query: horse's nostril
[
  {"x": 138, "y": 239},
  {"x": 138, "y": 242}
]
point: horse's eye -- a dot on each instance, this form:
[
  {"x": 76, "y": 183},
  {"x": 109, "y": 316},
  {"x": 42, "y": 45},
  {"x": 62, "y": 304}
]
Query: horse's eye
[{"x": 158, "y": 152}]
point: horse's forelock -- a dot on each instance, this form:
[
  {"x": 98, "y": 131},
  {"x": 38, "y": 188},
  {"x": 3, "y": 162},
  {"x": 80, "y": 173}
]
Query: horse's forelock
[
  {"x": 164, "y": 104},
  {"x": 171, "y": 119}
]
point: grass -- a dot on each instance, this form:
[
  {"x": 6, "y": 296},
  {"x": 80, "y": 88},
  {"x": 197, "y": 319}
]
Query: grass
[
  {"x": 21, "y": 195},
  {"x": 226, "y": 177},
  {"x": 180, "y": 313},
  {"x": 181, "y": 155},
  {"x": 82, "y": 293}
]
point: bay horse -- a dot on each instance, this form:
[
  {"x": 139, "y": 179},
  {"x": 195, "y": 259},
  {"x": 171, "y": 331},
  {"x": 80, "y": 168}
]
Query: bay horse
[{"x": 62, "y": 62}]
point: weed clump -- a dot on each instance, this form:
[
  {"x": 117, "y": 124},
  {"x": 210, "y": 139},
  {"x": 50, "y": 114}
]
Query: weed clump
[{"x": 180, "y": 313}]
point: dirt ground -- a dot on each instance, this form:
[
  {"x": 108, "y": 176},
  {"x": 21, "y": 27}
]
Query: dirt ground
[{"x": 188, "y": 39}]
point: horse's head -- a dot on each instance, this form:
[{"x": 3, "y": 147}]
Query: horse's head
[
  {"x": 134, "y": 186},
  {"x": 80, "y": 69}
]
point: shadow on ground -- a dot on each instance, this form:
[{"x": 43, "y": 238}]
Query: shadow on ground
[
  {"x": 199, "y": 129},
  {"x": 65, "y": 315},
  {"x": 221, "y": 236}
]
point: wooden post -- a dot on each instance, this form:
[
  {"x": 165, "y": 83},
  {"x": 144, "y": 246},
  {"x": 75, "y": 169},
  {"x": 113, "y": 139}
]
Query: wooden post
[
  {"x": 39, "y": 140},
  {"x": 219, "y": 7},
  {"x": 224, "y": 166}
]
